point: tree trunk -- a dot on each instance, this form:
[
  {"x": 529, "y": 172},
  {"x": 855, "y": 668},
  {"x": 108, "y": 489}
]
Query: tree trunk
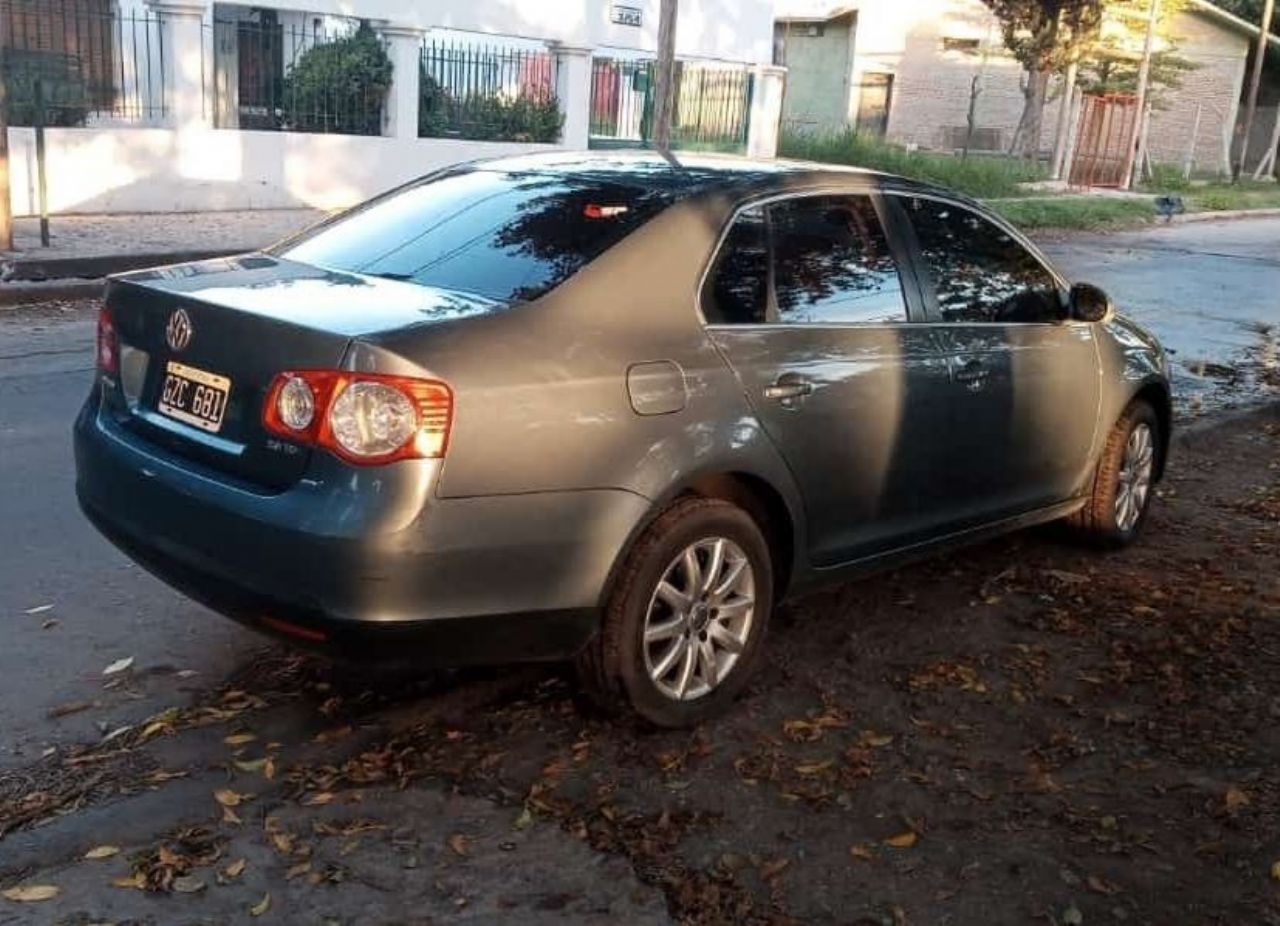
[{"x": 1026, "y": 140}]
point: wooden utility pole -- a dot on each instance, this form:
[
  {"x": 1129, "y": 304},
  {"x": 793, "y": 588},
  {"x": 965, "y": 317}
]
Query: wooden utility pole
[
  {"x": 6, "y": 212},
  {"x": 1251, "y": 107},
  {"x": 665, "y": 76},
  {"x": 1131, "y": 174}
]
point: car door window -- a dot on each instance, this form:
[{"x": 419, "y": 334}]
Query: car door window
[
  {"x": 738, "y": 292},
  {"x": 832, "y": 263},
  {"x": 980, "y": 272}
]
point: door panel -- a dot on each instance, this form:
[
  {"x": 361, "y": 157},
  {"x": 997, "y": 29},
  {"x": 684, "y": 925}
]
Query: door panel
[
  {"x": 1024, "y": 400},
  {"x": 860, "y": 434},
  {"x": 1025, "y": 384}
]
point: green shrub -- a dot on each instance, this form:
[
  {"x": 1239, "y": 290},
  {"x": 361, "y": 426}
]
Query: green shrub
[
  {"x": 339, "y": 86},
  {"x": 1167, "y": 178},
  {"x": 64, "y": 91},
  {"x": 485, "y": 117},
  {"x": 979, "y": 175}
]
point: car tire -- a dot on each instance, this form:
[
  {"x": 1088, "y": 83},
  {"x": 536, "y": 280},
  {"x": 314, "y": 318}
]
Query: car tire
[
  {"x": 1123, "y": 481},
  {"x": 712, "y": 621}
]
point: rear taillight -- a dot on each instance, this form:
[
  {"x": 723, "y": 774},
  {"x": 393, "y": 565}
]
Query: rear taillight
[
  {"x": 108, "y": 343},
  {"x": 362, "y": 417}
]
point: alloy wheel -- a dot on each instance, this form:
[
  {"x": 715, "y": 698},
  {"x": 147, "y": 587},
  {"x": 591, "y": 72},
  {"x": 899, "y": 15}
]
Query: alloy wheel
[
  {"x": 1134, "y": 484},
  {"x": 699, "y": 619}
]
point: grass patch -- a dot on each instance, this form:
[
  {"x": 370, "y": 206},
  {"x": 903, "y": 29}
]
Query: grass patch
[
  {"x": 1221, "y": 197},
  {"x": 979, "y": 176},
  {"x": 1078, "y": 212}
]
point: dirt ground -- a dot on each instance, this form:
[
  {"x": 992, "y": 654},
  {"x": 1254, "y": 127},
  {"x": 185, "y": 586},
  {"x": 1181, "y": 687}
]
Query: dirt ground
[{"x": 1021, "y": 732}]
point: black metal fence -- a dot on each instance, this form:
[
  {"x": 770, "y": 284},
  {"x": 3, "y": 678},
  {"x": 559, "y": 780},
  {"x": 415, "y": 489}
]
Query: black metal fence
[
  {"x": 487, "y": 92},
  {"x": 67, "y": 62},
  {"x": 712, "y": 108},
  {"x": 276, "y": 71}
]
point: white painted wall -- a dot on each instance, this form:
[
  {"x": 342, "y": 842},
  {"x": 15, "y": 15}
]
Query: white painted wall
[
  {"x": 170, "y": 170},
  {"x": 734, "y": 30}
]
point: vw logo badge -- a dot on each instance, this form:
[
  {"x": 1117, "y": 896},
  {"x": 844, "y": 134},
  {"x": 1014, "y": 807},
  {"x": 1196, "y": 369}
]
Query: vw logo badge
[{"x": 178, "y": 332}]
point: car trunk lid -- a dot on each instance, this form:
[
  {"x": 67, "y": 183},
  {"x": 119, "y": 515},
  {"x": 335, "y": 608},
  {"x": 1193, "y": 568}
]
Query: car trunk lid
[{"x": 202, "y": 342}]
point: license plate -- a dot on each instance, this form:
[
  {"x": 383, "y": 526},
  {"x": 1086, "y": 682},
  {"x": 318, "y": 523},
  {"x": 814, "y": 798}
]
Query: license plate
[{"x": 196, "y": 397}]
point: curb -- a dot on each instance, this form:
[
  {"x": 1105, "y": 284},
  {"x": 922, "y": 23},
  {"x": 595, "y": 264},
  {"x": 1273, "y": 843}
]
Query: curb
[
  {"x": 15, "y": 295},
  {"x": 40, "y": 269},
  {"x": 1224, "y": 216}
]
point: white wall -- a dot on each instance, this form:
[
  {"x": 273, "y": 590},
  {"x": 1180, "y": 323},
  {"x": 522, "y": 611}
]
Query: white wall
[
  {"x": 735, "y": 30},
  {"x": 168, "y": 170}
]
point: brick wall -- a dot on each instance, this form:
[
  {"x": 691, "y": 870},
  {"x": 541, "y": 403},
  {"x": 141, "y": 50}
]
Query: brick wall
[{"x": 1214, "y": 87}]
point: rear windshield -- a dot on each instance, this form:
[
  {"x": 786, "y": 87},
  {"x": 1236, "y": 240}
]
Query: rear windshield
[{"x": 508, "y": 236}]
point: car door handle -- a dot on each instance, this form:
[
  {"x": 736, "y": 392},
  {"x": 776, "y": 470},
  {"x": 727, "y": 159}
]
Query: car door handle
[
  {"x": 972, "y": 375},
  {"x": 788, "y": 388}
]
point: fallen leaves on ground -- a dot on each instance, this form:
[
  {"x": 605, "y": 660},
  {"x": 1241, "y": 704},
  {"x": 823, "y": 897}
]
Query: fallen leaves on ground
[
  {"x": 31, "y": 893},
  {"x": 261, "y": 906},
  {"x": 118, "y": 666},
  {"x": 101, "y": 852}
]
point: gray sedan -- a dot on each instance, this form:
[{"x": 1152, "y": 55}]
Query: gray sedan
[{"x": 610, "y": 408}]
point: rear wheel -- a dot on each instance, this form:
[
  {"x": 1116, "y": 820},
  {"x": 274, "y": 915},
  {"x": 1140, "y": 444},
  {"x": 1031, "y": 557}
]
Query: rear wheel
[
  {"x": 686, "y": 618},
  {"x": 1124, "y": 479}
]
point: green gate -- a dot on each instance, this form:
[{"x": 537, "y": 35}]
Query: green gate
[{"x": 712, "y": 110}]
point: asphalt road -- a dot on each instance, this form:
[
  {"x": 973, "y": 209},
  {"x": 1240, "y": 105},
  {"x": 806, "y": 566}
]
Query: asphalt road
[{"x": 70, "y": 605}]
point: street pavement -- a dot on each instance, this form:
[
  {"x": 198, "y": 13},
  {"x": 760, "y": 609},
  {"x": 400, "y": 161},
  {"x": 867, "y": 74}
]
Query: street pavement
[{"x": 70, "y": 605}]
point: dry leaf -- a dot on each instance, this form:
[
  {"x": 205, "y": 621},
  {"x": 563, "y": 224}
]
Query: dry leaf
[
  {"x": 102, "y": 852},
  {"x": 31, "y": 893},
  {"x": 903, "y": 840},
  {"x": 228, "y": 798},
  {"x": 1275, "y": 871},
  {"x": 39, "y": 609},
  {"x": 878, "y": 739},
  {"x": 235, "y": 869},
  {"x": 118, "y": 666},
  {"x": 320, "y": 800},
  {"x": 66, "y": 710},
  {"x": 261, "y": 906},
  {"x": 297, "y": 871},
  {"x": 771, "y": 870},
  {"x": 861, "y": 851},
  {"x": 1235, "y": 799},
  {"x": 231, "y": 817},
  {"x": 187, "y": 884},
  {"x": 458, "y": 843},
  {"x": 239, "y": 739},
  {"x": 814, "y": 768}
]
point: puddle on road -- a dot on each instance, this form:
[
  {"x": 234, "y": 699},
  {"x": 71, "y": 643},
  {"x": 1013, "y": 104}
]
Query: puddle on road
[{"x": 1247, "y": 377}]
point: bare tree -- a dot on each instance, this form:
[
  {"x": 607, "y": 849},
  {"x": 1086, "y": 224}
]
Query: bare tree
[
  {"x": 664, "y": 82},
  {"x": 1044, "y": 36}
]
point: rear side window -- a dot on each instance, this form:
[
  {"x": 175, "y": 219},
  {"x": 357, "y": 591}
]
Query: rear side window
[
  {"x": 738, "y": 293},
  {"x": 832, "y": 263},
  {"x": 980, "y": 273},
  {"x": 813, "y": 260},
  {"x": 507, "y": 236}
]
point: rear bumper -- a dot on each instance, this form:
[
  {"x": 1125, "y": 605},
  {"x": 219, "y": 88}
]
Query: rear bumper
[{"x": 365, "y": 562}]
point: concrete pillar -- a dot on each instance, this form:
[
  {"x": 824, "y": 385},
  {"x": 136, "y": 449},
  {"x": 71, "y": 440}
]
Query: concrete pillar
[
  {"x": 404, "y": 48},
  {"x": 766, "y": 111},
  {"x": 573, "y": 89},
  {"x": 182, "y": 39}
]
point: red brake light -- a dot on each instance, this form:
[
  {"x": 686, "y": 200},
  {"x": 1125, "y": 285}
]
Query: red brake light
[
  {"x": 108, "y": 343},
  {"x": 363, "y": 418}
]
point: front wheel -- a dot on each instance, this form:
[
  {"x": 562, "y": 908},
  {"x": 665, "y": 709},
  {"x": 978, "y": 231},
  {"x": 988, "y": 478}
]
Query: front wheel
[
  {"x": 1124, "y": 480},
  {"x": 686, "y": 618}
]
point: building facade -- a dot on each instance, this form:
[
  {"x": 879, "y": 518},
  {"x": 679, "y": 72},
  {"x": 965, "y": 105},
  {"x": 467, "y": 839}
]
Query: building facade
[
  {"x": 192, "y": 104},
  {"x": 911, "y": 72}
]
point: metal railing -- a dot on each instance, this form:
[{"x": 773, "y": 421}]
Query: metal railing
[
  {"x": 274, "y": 71},
  {"x": 486, "y": 92},
  {"x": 712, "y": 108},
  {"x": 69, "y": 62}
]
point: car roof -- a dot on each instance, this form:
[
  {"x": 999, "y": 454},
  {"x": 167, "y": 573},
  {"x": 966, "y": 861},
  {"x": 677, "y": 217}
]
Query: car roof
[{"x": 685, "y": 175}]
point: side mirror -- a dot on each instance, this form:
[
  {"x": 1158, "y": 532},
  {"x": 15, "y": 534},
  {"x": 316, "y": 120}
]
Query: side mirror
[{"x": 1088, "y": 303}]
